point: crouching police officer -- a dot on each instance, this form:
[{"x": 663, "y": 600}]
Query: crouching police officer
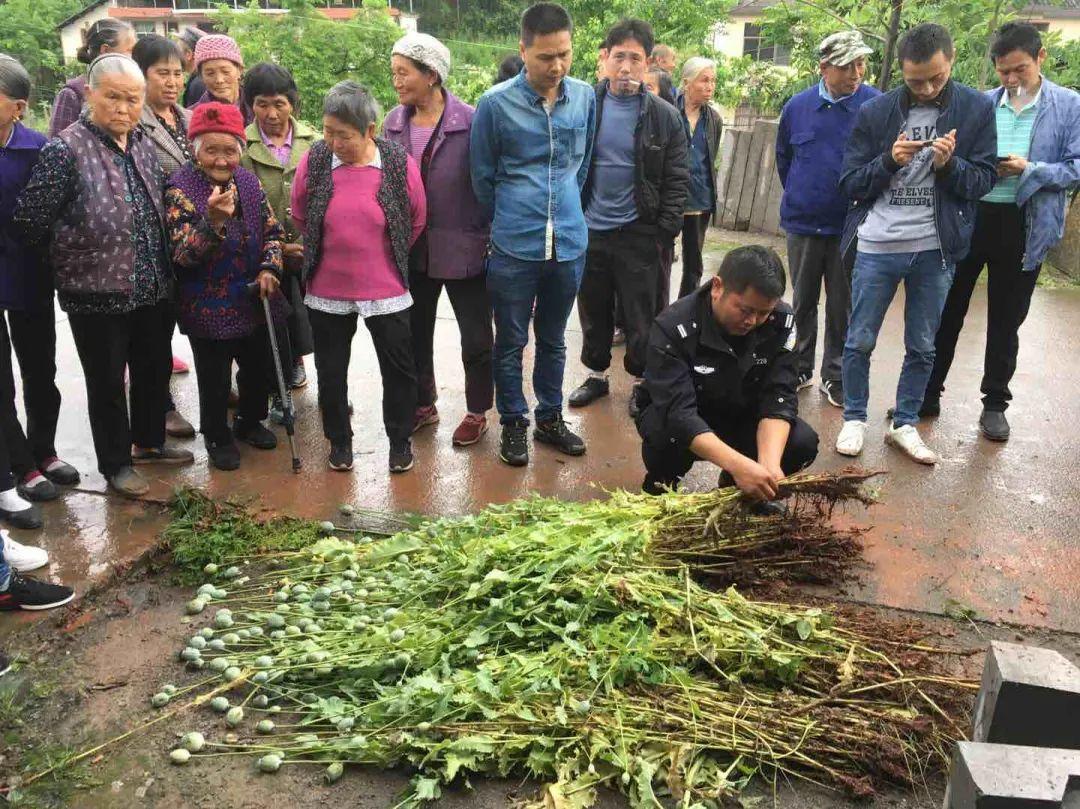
[{"x": 720, "y": 381}]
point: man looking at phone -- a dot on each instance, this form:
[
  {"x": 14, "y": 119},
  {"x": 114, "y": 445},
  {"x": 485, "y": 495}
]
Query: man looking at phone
[
  {"x": 1038, "y": 132},
  {"x": 918, "y": 160}
]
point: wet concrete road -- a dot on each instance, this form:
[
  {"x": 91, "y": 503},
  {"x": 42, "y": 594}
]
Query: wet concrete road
[{"x": 993, "y": 527}]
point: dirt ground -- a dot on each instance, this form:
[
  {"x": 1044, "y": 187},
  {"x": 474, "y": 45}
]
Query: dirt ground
[{"x": 87, "y": 674}]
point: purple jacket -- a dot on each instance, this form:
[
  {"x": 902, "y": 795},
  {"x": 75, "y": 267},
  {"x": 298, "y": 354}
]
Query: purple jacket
[
  {"x": 68, "y": 105},
  {"x": 25, "y": 284},
  {"x": 456, "y": 237}
]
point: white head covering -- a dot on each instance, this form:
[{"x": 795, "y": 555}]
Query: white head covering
[{"x": 426, "y": 50}]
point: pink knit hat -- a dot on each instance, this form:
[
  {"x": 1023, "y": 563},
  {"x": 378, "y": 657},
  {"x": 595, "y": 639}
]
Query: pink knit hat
[{"x": 217, "y": 46}]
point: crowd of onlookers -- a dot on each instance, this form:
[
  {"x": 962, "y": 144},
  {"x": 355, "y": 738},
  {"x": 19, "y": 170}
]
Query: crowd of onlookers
[{"x": 179, "y": 188}]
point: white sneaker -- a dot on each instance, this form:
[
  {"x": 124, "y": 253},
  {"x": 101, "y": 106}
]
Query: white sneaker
[
  {"x": 908, "y": 441},
  {"x": 23, "y": 558},
  {"x": 850, "y": 440}
]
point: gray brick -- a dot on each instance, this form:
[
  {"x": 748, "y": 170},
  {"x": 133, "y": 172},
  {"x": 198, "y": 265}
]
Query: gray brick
[
  {"x": 1001, "y": 776},
  {"x": 1029, "y": 696}
]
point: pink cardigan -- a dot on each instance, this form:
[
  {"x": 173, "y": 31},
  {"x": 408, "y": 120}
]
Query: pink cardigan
[{"x": 357, "y": 261}]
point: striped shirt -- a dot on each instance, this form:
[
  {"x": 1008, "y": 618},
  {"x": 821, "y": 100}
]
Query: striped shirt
[
  {"x": 1014, "y": 138},
  {"x": 418, "y": 140}
]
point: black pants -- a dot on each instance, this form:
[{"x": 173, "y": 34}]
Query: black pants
[
  {"x": 107, "y": 343},
  {"x": 624, "y": 262},
  {"x": 666, "y": 464},
  {"x": 667, "y": 258},
  {"x": 472, "y": 308},
  {"x": 297, "y": 326},
  {"x": 16, "y": 459},
  {"x": 213, "y": 369},
  {"x": 391, "y": 335},
  {"x": 811, "y": 260},
  {"x": 998, "y": 244},
  {"x": 693, "y": 243},
  {"x": 33, "y": 336}
]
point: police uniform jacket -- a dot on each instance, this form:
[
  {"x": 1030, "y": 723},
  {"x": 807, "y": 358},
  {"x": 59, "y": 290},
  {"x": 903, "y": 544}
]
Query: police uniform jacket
[{"x": 695, "y": 382}]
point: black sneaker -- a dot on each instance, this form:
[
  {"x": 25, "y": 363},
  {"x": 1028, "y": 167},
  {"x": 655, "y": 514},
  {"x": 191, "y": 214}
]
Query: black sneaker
[
  {"x": 5, "y": 664},
  {"x": 558, "y": 435},
  {"x": 23, "y": 518},
  {"x": 805, "y": 381},
  {"x": 994, "y": 425},
  {"x": 33, "y": 594},
  {"x": 401, "y": 457},
  {"x": 224, "y": 455},
  {"x": 589, "y": 391},
  {"x": 254, "y": 433},
  {"x": 341, "y": 457},
  {"x": 931, "y": 408},
  {"x": 514, "y": 448},
  {"x": 833, "y": 390}
]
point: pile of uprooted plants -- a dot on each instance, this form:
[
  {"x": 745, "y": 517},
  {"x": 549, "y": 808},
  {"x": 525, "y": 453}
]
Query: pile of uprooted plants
[{"x": 583, "y": 644}]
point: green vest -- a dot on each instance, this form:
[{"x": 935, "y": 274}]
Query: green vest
[{"x": 277, "y": 180}]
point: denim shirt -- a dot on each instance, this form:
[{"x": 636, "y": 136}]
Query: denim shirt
[
  {"x": 1053, "y": 169},
  {"x": 529, "y": 166}
]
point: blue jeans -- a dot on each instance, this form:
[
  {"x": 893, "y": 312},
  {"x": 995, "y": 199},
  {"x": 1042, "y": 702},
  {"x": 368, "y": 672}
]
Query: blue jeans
[
  {"x": 5, "y": 570},
  {"x": 873, "y": 286},
  {"x": 515, "y": 287}
]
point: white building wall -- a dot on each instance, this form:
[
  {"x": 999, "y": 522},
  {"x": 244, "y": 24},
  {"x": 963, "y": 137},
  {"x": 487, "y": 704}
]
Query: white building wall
[{"x": 71, "y": 35}]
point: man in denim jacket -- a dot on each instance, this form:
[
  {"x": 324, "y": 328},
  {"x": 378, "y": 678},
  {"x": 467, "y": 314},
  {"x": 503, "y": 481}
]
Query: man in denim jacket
[
  {"x": 529, "y": 152},
  {"x": 1038, "y": 131},
  {"x": 918, "y": 160}
]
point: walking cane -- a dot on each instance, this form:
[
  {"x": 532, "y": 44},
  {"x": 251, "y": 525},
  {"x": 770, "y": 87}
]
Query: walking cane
[{"x": 289, "y": 412}]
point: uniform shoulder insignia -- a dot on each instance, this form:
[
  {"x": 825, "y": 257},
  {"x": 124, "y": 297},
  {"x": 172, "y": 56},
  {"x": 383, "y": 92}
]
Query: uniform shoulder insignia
[{"x": 687, "y": 328}]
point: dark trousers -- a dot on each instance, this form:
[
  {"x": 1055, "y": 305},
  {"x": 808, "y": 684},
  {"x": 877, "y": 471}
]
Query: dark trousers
[
  {"x": 811, "y": 260},
  {"x": 666, "y": 464},
  {"x": 391, "y": 335},
  {"x": 624, "y": 262},
  {"x": 107, "y": 343},
  {"x": 297, "y": 326},
  {"x": 472, "y": 308},
  {"x": 213, "y": 369},
  {"x": 693, "y": 243},
  {"x": 16, "y": 459},
  {"x": 33, "y": 336},
  {"x": 667, "y": 258},
  {"x": 997, "y": 244}
]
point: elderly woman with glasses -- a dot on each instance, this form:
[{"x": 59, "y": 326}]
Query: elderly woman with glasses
[
  {"x": 224, "y": 240},
  {"x": 96, "y": 197},
  {"x": 359, "y": 201}
]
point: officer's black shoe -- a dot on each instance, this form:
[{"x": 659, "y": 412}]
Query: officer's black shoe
[
  {"x": 994, "y": 425},
  {"x": 589, "y": 391},
  {"x": 634, "y": 405},
  {"x": 931, "y": 409},
  {"x": 769, "y": 508},
  {"x": 558, "y": 435},
  {"x": 514, "y": 448}
]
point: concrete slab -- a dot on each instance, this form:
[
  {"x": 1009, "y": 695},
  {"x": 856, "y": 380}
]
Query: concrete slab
[
  {"x": 1000, "y": 776},
  {"x": 994, "y": 526},
  {"x": 1029, "y": 696}
]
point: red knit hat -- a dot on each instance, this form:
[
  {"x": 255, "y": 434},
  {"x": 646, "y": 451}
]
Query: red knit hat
[{"x": 216, "y": 117}]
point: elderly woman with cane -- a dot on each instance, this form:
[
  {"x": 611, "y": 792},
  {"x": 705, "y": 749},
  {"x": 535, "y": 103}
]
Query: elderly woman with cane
[
  {"x": 359, "y": 201},
  {"x": 433, "y": 124},
  {"x": 96, "y": 196},
  {"x": 224, "y": 237}
]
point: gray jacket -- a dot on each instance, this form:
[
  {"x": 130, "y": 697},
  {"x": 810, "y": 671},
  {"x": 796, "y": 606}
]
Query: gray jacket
[
  {"x": 1053, "y": 169},
  {"x": 169, "y": 155}
]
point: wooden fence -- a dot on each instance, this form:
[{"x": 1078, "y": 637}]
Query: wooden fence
[{"x": 749, "y": 188}]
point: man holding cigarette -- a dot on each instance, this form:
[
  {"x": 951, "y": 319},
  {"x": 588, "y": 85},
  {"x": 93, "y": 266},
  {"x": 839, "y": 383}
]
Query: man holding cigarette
[
  {"x": 1038, "y": 132},
  {"x": 633, "y": 200},
  {"x": 918, "y": 160}
]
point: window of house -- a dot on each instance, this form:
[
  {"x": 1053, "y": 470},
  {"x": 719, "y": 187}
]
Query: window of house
[
  {"x": 757, "y": 49},
  {"x": 143, "y": 28}
]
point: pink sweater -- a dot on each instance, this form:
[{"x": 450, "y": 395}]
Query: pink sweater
[{"x": 357, "y": 261}]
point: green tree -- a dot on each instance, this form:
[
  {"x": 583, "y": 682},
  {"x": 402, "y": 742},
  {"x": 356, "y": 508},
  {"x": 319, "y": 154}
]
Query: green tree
[
  {"x": 318, "y": 52},
  {"x": 28, "y": 33}
]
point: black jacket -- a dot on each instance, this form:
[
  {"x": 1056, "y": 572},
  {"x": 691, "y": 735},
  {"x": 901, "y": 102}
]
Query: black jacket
[
  {"x": 661, "y": 170},
  {"x": 696, "y": 383}
]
